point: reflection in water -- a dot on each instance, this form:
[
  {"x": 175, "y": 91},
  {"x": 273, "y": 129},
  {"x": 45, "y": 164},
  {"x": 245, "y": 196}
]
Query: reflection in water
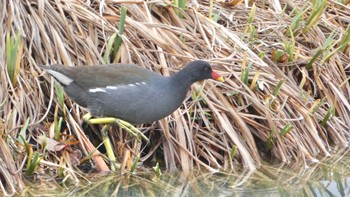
[{"x": 329, "y": 177}]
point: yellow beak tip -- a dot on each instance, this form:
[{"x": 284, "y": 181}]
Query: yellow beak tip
[{"x": 221, "y": 79}]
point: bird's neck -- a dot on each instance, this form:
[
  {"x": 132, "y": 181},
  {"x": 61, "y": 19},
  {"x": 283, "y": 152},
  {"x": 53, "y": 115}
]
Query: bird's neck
[
  {"x": 179, "y": 83},
  {"x": 182, "y": 80}
]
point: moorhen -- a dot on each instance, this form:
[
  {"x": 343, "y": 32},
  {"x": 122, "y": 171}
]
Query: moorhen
[{"x": 127, "y": 91}]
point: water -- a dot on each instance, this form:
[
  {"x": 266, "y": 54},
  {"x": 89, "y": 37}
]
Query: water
[{"x": 329, "y": 177}]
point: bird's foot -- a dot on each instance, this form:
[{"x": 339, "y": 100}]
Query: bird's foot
[{"x": 108, "y": 121}]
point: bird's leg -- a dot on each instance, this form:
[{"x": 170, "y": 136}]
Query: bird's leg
[
  {"x": 121, "y": 123},
  {"x": 108, "y": 121},
  {"x": 106, "y": 141},
  {"x": 130, "y": 128},
  {"x": 108, "y": 146}
]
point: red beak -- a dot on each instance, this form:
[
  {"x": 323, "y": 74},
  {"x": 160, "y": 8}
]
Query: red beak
[{"x": 217, "y": 77}]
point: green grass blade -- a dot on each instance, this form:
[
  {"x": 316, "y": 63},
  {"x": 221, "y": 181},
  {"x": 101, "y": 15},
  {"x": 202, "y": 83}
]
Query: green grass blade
[
  {"x": 330, "y": 111},
  {"x": 14, "y": 51},
  {"x": 319, "y": 104},
  {"x": 318, "y": 6},
  {"x": 216, "y": 17},
  {"x": 290, "y": 46},
  {"x": 245, "y": 73},
  {"x": 118, "y": 39},
  {"x": 233, "y": 151},
  {"x": 286, "y": 129},
  {"x": 22, "y": 134},
  {"x": 33, "y": 164},
  {"x": 182, "y": 4},
  {"x": 252, "y": 14},
  {"x": 60, "y": 95},
  {"x": 58, "y": 129},
  {"x": 271, "y": 140},
  {"x": 295, "y": 25},
  {"x": 134, "y": 164},
  {"x": 157, "y": 169},
  {"x": 109, "y": 47},
  {"x": 313, "y": 59},
  {"x": 115, "y": 41},
  {"x": 278, "y": 87},
  {"x": 344, "y": 42}
]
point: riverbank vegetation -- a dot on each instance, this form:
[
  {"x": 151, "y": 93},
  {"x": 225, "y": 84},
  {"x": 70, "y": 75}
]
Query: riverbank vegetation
[{"x": 285, "y": 97}]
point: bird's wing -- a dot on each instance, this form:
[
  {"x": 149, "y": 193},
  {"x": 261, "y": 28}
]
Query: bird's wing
[{"x": 99, "y": 75}]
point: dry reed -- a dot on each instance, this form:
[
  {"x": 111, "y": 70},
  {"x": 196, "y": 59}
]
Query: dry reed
[{"x": 221, "y": 125}]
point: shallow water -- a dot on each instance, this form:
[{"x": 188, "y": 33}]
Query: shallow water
[{"x": 329, "y": 177}]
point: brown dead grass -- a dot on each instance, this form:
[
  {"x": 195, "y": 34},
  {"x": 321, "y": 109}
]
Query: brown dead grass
[{"x": 202, "y": 133}]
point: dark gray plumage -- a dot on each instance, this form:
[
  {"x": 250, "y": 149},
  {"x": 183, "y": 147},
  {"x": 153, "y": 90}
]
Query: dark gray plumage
[{"x": 127, "y": 91}]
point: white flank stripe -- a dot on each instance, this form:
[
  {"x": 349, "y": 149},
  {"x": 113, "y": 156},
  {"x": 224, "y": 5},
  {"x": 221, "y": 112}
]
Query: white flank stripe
[
  {"x": 131, "y": 85},
  {"x": 60, "y": 77},
  {"x": 97, "y": 90},
  {"x": 112, "y": 87},
  {"x": 144, "y": 83}
]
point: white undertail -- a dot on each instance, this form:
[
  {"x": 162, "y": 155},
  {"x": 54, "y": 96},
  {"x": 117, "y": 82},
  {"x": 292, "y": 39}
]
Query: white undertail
[{"x": 63, "y": 79}]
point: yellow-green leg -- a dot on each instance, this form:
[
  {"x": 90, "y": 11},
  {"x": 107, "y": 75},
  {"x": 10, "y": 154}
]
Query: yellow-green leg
[
  {"x": 121, "y": 123},
  {"x": 108, "y": 121},
  {"x": 108, "y": 146}
]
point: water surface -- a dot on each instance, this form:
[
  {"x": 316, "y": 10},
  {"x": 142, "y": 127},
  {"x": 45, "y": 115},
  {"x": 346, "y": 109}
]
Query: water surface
[{"x": 329, "y": 177}]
